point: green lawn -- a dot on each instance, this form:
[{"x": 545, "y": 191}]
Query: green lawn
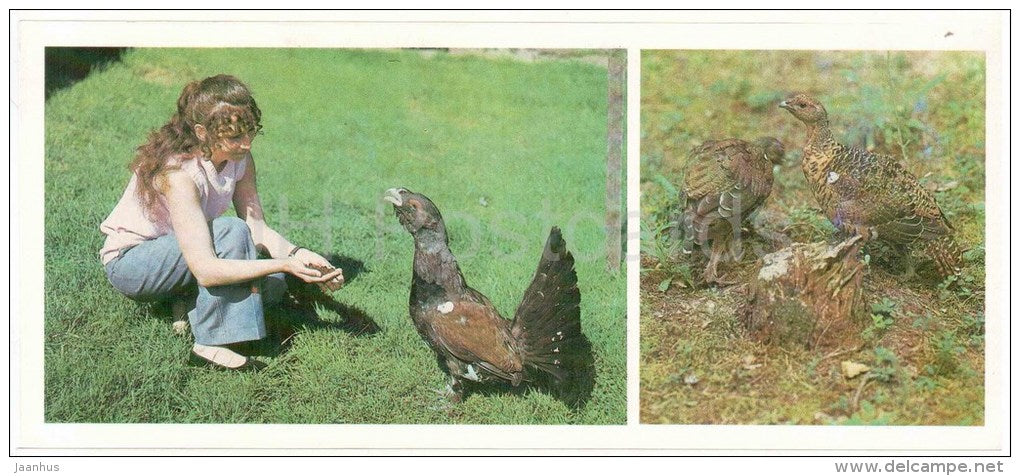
[
  {"x": 924, "y": 340},
  {"x": 505, "y": 148}
]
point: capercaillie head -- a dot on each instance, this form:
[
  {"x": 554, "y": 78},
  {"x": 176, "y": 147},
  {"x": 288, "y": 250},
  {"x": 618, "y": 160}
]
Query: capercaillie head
[
  {"x": 415, "y": 211},
  {"x": 774, "y": 150},
  {"x": 806, "y": 108}
]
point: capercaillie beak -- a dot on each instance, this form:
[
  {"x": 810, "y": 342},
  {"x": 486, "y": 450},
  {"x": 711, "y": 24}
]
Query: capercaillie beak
[
  {"x": 393, "y": 196},
  {"x": 784, "y": 104}
]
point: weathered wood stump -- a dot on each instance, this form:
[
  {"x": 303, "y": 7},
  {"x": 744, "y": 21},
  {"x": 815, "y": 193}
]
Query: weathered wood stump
[{"x": 805, "y": 294}]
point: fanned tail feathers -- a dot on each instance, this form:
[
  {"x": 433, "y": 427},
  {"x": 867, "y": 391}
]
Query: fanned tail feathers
[{"x": 547, "y": 324}]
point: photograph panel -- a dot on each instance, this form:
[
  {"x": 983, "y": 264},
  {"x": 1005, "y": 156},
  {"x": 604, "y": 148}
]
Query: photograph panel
[
  {"x": 456, "y": 200},
  {"x": 812, "y": 237}
]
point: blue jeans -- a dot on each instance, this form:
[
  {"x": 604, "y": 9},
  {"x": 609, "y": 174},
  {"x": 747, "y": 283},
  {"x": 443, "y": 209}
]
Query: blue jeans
[{"x": 155, "y": 270}]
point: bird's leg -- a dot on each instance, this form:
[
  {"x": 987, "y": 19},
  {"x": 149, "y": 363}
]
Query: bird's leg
[
  {"x": 453, "y": 391},
  {"x": 908, "y": 259},
  {"x": 456, "y": 390},
  {"x": 710, "y": 268},
  {"x": 449, "y": 397},
  {"x": 711, "y": 273}
]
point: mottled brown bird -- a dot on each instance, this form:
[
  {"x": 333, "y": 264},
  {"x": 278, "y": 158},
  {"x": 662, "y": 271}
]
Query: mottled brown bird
[
  {"x": 466, "y": 331},
  {"x": 724, "y": 183},
  {"x": 872, "y": 195}
]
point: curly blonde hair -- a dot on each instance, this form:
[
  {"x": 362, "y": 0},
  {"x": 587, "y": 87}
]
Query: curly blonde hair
[{"x": 222, "y": 104}]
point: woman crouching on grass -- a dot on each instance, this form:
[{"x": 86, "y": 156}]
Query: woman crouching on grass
[{"x": 166, "y": 239}]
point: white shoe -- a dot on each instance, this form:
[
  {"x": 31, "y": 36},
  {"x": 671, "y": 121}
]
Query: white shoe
[{"x": 220, "y": 356}]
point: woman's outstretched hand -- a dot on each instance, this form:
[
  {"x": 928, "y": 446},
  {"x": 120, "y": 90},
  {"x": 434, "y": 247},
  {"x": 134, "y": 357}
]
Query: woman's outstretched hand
[{"x": 313, "y": 268}]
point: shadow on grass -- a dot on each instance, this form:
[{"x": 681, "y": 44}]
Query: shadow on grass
[
  {"x": 352, "y": 267},
  {"x": 299, "y": 311},
  {"x": 309, "y": 297},
  {"x": 66, "y": 66},
  {"x": 304, "y": 300}
]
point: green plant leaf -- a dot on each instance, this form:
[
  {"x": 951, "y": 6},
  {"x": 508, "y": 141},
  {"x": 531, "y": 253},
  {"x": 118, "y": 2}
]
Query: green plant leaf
[{"x": 664, "y": 285}]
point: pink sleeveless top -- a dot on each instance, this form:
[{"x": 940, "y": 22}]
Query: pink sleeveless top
[{"x": 128, "y": 225}]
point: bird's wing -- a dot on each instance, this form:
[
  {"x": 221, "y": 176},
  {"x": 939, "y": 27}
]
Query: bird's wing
[
  {"x": 474, "y": 332},
  {"x": 752, "y": 172},
  {"x": 880, "y": 193},
  {"x": 724, "y": 179},
  {"x": 708, "y": 172},
  {"x": 728, "y": 177}
]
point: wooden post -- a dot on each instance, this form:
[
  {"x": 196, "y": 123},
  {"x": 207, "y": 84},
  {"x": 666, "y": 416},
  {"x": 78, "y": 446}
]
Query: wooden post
[{"x": 614, "y": 158}]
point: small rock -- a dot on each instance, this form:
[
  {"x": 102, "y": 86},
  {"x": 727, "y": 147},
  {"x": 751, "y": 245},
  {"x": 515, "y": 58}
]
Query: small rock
[
  {"x": 947, "y": 186},
  {"x": 691, "y": 379},
  {"x": 853, "y": 369}
]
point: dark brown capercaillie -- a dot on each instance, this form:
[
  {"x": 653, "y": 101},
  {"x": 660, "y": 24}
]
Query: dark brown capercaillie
[
  {"x": 725, "y": 182},
  {"x": 472, "y": 340},
  {"x": 872, "y": 195}
]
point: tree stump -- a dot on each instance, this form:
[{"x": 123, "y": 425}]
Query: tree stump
[{"x": 805, "y": 294}]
